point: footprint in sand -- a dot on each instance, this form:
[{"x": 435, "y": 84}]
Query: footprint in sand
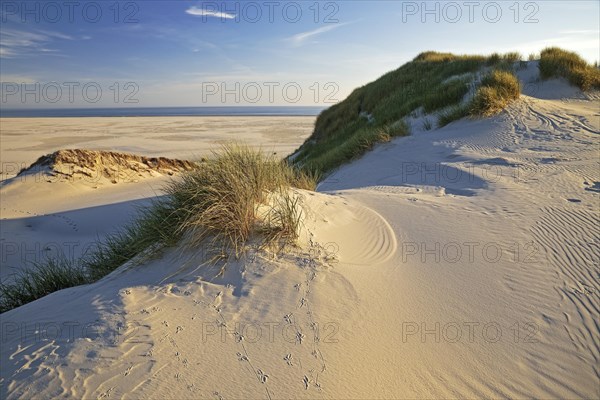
[
  {"x": 218, "y": 301},
  {"x": 218, "y": 396},
  {"x": 306, "y": 382},
  {"x": 262, "y": 377},
  {"x": 288, "y": 359}
]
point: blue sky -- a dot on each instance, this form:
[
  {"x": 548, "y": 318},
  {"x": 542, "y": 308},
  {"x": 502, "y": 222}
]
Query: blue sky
[{"x": 201, "y": 53}]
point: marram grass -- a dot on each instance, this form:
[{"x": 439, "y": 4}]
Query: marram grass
[
  {"x": 215, "y": 207},
  {"x": 433, "y": 82}
]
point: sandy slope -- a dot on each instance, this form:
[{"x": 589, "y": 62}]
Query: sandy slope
[{"x": 459, "y": 262}]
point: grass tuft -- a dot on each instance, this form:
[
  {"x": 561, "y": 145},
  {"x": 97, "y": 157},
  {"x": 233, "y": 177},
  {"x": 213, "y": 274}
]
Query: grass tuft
[
  {"x": 44, "y": 278},
  {"x": 282, "y": 222},
  {"x": 497, "y": 90},
  {"x": 215, "y": 207},
  {"x": 427, "y": 126},
  {"x": 452, "y": 114},
  {"x": 218, "y": 202},
  {"x": 556, "y": 62},
  {"x": 154, "y": 228}
]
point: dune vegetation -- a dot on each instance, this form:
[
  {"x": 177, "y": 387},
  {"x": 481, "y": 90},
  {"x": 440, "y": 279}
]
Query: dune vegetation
[
  {"x": 433, "y": 82},
  {"x": 235, "y": 196},
  {"x": 496, "y": 91},
  {"x": 556, "y": 62}
]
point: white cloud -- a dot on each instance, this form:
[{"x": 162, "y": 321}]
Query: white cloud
[
  {"x": 16, "y": 42},
  {"x": 6, "y": 52},
  {"x": 201, "y": 12},
  {"x": 300, "y": 38},
  {"x": 12, "y": 78},
  {"x": 580, "y": 32},
  {"x": 582, "y": 43}
]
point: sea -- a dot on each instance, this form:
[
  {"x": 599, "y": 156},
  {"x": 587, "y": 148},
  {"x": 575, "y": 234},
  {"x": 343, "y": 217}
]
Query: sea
[{"x": 162, "y": 112}]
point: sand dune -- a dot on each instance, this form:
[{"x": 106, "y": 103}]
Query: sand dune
[
  {"x": 187, "y": 138},
  {"x": 89, "y": 164},
  {"x": 384, "y": 298}
]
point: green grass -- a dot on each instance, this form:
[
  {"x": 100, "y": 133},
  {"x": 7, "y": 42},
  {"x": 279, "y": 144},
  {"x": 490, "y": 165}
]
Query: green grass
[
  {"x": 41, "y": 280},
  {"x": 281, "y": 223},
  {"x": 452, "y": 114},
  {"x": 556, "y": 62},
  {"x": 498, "y": 89},
  {"x": 218, "y": 202},
  {"x": 433, "y": 82},
  {"x": 237, "y": 195},
  {"x": 333, "y": 152},
  {"x": 427, "y": 125},
  {"x": 154, "y": 228}
]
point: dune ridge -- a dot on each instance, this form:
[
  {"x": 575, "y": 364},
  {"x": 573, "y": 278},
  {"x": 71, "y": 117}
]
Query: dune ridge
[{"x": 116, "y": 166}]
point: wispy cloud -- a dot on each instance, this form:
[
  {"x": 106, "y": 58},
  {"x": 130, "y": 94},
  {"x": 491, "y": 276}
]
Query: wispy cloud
[
  {"x": 201, "y": 12},
  {"x": 5, "y": 78},
  {"x": 301, "y": 38},
  {"x": 201, "y": 44},
  {"x": 581, "y": 32},
  {"x": 15, "y": 42},
  {"x": 582, "y": 42}
]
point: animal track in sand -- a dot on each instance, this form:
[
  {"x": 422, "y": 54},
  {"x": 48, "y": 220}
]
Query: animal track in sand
[
  {"x": 288, "y": 359},
  {"x": 70, "y": 222},
  {"x": 262, "y": 377},
  {"x": 310, "y": 264},
  {"x": 243, "y": 354}
]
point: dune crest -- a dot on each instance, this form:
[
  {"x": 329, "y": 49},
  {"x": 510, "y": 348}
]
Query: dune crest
[{"x": 117, "y": 167}]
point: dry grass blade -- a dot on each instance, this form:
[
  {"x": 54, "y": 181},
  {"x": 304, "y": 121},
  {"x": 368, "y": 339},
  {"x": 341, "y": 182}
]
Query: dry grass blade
[{"x": 219, "y": 200}]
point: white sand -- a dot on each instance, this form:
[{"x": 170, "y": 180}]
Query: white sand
[{"x": 455, "y": 263}]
